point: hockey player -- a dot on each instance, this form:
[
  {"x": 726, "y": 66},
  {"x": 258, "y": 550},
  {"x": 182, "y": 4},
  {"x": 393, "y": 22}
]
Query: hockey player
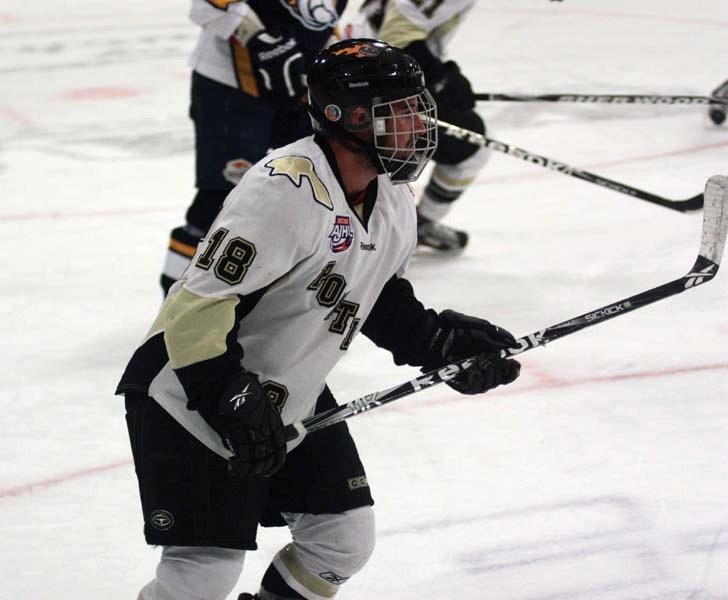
[
  {"x": 308, "y": 250},
  {"x": 717, "y": 112},
  {"x": 247, "y": 82},
  {"x": 423, "y": 28}
]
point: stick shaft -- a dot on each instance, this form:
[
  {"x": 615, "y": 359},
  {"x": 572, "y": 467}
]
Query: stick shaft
[
  {"x": 703, "y": 271},
  {"x": 687, "y": 205},
  {"x": 712, "y": 243},
  {"x": 679, "y": 100}
]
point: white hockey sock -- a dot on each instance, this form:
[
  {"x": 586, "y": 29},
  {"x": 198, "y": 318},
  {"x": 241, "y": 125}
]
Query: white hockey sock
[
  {"x": 194, "y": 572},
  {"x": 432, "y": 210},
  {"x": 327, "y": 551}
]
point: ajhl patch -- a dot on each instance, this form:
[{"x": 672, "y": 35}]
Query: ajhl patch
[{"x": 342, "y": 235}]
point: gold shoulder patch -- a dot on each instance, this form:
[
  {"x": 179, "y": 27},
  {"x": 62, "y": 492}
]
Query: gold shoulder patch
[{"x": 296, "y": 168}]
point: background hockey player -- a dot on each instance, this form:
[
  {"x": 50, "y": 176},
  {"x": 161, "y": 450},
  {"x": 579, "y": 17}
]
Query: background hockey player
[
  {"x": 423, "y": 28},
  {"x": 309, "y": 249},
  {"x": 247, "y": 82}
]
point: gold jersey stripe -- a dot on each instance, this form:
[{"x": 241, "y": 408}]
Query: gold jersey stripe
[
  {"x": 195, "y": 328},
  {"x": 445, "y": 181},
  {"x": 289, "y": 557},
  {"x": 182, "y": 248},
  {"x": 398, "y": 30},
  {"x": 244, "y": 69}
]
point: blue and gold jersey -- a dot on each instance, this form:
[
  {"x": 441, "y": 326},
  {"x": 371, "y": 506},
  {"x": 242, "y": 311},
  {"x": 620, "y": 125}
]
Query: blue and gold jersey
[{"x": 312, "y": 22}]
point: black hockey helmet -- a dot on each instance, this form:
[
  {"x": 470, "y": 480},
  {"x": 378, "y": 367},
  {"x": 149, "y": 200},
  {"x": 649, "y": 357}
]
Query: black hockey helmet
[{"x": 390, "y": 85}]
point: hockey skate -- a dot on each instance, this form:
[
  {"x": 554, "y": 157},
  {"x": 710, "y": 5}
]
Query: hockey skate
[
  {"x": 246, "y": 596},
  {"x": 440, "y": 237}
]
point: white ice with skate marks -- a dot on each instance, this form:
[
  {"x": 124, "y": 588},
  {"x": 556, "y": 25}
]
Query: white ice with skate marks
[{"x": 600, "y": 474}]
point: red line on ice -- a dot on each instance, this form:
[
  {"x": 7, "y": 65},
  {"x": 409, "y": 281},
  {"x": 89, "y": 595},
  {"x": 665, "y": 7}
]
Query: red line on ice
[
  {"x": 561, "y": 13},
  {"x": 546, "y": 378},
  {"x": 99, "y": 93},
  {"x": 617, "y": 377},
  {"x": 648, "y": 17},
  {"x": 544, "y": 382},
  {"x": 83, "y": 215},
  {"x": 27, "y": 488},
  {"x": 485, "y": 180},
  {"x": 690, "y": 150},
  {"x": 13, "y": 114}
]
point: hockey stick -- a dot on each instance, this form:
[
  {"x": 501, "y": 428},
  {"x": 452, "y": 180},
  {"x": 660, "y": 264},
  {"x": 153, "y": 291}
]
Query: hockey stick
[
  {"x": 602, "y": 99},
  {"x": 715, "y": 226},
  {"x": 690, "y": 204}
]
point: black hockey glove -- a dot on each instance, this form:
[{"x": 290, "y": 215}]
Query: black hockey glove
[
  {"x": 277, "y": 63},
  {"x": 250, "y": 427},
  {"x": 449, "y": 87},
  {"x": 460, "y": 336}
]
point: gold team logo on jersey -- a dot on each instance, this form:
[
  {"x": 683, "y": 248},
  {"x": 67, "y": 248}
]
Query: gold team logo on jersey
[{"x": 296, "y": 168}]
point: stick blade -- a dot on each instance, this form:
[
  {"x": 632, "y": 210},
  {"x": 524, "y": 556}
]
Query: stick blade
[
  {"x": 691, "y": 204},
  {"x": 715, "y": 218}
]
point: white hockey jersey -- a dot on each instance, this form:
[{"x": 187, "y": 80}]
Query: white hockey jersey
[
  {"x": 212, "y": 56},
  {"x": 401, "y": 22},
  {"x": 289, "y": 271}
]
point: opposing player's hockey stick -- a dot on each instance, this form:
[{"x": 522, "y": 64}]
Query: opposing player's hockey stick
[
  {"x": 715, "y": 225},
  {"x": 694, "y": 203},
  {"x": 602, "y": 99}
]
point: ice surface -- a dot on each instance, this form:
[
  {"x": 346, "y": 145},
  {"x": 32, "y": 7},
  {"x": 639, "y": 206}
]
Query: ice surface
[{"x": 602, "y": 474}]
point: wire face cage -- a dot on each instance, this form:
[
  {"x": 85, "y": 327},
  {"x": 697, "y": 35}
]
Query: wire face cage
[{"x": 405, "y": 135}]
